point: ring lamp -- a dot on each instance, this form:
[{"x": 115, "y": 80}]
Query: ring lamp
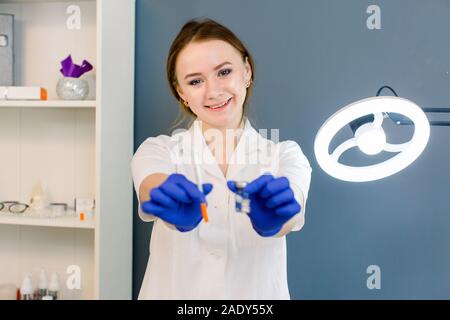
[{"x": 366, "y": 118}]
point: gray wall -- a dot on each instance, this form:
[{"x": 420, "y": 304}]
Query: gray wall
[{"x": 313, "y": 57}]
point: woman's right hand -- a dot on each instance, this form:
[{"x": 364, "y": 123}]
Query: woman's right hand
[{"x": 177, "y": 201}]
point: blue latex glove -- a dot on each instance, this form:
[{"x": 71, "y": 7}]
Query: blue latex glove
[
  {"x": 177, "y": 201},
  {"x": 272, "y": 203}
]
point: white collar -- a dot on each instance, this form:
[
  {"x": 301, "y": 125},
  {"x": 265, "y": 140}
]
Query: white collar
[
  {"x": 192, "y": 147},
  {"x": 250, "y": 137}
]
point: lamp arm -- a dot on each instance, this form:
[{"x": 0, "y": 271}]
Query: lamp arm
[{"x": 401, "y": 120}]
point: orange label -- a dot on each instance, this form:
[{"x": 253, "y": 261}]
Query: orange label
[{"x": 43, "y": 94}]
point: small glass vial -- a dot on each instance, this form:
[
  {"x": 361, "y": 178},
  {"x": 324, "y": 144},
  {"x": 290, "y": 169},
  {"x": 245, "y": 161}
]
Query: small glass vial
[{"x": 242, "y": 198}]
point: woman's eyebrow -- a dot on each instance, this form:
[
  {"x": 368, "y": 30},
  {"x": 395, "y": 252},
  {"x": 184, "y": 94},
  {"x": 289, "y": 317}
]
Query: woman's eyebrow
[{"x": 199, "y": 74}]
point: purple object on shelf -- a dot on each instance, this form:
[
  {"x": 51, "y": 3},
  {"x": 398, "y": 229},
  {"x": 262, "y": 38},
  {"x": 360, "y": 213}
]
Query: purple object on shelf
[{"x": 69, "y": 69}]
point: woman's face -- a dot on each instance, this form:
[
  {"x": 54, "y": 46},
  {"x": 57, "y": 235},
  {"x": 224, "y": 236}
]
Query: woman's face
[{"x": 212, "y": 78}]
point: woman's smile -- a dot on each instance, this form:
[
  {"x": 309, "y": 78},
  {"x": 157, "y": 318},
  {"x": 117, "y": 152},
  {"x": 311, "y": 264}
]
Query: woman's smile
[{"x": 221, "y": 106}]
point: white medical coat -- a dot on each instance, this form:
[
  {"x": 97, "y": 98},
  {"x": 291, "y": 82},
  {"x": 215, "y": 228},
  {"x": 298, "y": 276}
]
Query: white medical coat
[{"x": 224, "y": 258}]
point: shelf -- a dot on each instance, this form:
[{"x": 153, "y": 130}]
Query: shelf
[
  {"x": 69, "y": 146},
  {"x": 48, "y": 103},
  {"x": 60, "y": 222},
  {"x": 40, "y": 1}
]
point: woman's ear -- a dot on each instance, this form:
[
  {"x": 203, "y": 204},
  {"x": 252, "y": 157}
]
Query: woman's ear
[
  {"x": 179, "y": 91},
  {"x": 247, "y": 70}
]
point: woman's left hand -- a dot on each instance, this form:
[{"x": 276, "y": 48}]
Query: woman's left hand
[{"x": 272, "y": 203}]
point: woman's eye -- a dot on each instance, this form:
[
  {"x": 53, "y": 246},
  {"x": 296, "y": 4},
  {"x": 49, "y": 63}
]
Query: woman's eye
[
  {"x": 224, "y": 72},
  {"x": 194, "y": 82}
]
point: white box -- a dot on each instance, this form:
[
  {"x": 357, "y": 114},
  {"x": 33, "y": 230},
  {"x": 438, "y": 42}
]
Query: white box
[{"x": 23, "y": 93}]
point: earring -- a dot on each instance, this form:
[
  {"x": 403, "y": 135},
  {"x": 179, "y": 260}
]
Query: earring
[
  {"x": 185, "y": 103},
  {"x": 249, "y": 82}
]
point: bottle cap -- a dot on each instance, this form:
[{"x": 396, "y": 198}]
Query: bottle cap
[{"x": 241, "y": 184}]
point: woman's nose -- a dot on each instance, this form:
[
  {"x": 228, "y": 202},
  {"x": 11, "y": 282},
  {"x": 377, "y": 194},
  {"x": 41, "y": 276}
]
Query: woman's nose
[{"x": 214, "y": 90}]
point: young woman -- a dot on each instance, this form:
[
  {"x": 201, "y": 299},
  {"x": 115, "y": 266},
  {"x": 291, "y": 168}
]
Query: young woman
[{"x": 229, "y": 254}]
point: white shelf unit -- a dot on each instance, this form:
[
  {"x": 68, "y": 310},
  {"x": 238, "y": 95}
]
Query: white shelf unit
[
  {"x": 47, "y": 104},
  {"x": 59, "y": 222},
  {"x": 76, "y": 148}
]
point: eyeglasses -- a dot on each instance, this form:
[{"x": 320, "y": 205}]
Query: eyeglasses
[{"x": 13, "y": 206}]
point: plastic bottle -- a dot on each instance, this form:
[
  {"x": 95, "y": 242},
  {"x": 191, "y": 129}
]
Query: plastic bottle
[
  {"x": 39, "y": 199},
  {"x": 53, "y": 288},
  {"x": 26, "y": 290},
  {"x": 43, "y": 285}
]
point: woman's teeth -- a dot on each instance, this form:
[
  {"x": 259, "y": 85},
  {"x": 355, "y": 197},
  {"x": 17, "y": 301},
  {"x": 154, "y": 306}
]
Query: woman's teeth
[{"x": 220, "y": 105}]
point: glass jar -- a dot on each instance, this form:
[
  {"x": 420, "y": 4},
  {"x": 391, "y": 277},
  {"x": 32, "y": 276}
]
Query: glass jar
[{"x": 69, "y": 88}]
